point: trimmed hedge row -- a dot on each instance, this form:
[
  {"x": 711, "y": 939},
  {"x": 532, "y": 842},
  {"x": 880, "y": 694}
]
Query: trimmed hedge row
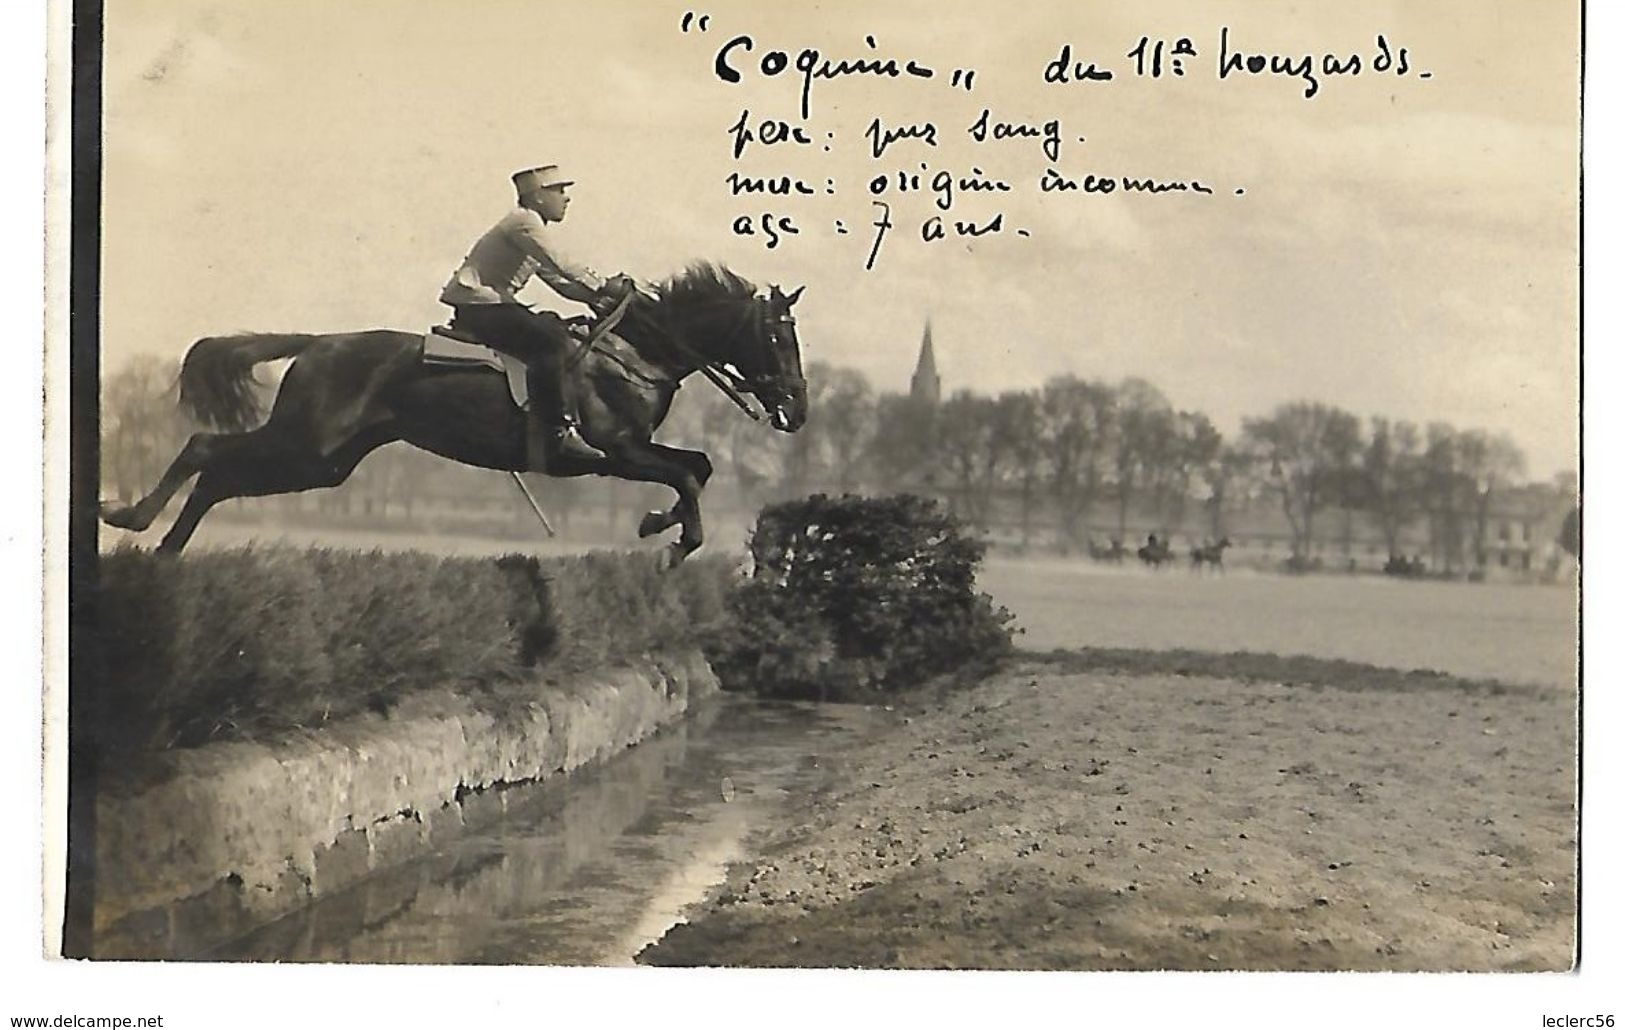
[
  {"x": 255, "y": 640},
  {"x": 851, "y": 598}
]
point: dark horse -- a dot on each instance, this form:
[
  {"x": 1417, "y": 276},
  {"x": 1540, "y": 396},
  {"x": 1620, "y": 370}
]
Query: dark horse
[
  {"x": 1155, "y": 552},
  {"x": 346, "y": 394},
  {"x": 1211, "y": 554}
]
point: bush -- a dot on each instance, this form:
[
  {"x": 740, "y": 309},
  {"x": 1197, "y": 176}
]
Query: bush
[
  {"x": 855, "y": 596},
  {"x": 249, "y": 641}
]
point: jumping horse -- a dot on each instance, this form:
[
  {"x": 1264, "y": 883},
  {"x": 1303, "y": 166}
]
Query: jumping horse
[{"x": 346, "y": 394}]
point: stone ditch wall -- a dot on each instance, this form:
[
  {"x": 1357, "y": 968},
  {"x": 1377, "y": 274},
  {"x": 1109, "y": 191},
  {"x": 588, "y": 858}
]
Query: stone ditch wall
[{"x": 245, "y": 832}]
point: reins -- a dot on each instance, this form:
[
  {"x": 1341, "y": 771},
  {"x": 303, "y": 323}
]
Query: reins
[{"x": 729, "y": 382}]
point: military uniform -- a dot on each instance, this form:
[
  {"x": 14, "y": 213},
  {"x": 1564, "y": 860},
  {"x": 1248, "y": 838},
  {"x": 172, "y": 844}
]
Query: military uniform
[
  {"x": 510, "y": 253},
  {"x": 482, "y": 294}
]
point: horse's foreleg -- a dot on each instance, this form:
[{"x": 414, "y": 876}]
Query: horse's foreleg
[
  {"x": 697, "y": 465},
  {"x": 188, "y": 463},
  {"x": 654, "y": 463}
]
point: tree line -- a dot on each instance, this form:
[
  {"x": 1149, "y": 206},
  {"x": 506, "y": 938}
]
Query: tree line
[
  {"x": 1051, "y": 461},
  {"x": 1077, "y": 451}
]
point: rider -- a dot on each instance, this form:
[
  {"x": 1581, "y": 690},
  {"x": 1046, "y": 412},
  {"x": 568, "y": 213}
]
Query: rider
[{"x": 481, "y": 295}]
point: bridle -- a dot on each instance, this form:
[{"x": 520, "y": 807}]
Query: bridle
[
  {"x": 734, "y": 384},
  {"x": 731, "y": 381},
  {"x": 783, "y": 384}
]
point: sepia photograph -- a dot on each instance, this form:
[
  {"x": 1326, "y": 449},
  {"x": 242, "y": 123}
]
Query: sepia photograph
[{"x": 1078, "y": 488}]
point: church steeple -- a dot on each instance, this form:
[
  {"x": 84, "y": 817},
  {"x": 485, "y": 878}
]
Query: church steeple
[{"x": 926, "y": 387}]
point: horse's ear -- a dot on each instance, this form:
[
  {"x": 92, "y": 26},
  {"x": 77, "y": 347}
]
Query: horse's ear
[{"x": 792, "y": 298}]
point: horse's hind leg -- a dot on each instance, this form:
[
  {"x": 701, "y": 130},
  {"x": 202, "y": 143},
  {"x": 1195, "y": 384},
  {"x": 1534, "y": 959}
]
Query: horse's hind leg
[
  {"x": 197, "y": 453},
  {"x": 263, "y": 462},
  {"x": 204, "y": 496}
]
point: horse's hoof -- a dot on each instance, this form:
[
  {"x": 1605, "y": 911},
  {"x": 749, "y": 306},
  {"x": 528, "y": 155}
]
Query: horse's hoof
[
  {"x": 120, "y": 516},
  {"x": 653, "y": 522}
]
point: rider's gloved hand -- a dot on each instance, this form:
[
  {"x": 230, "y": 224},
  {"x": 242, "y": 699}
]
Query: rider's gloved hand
[{"x": 614, "y": 289}]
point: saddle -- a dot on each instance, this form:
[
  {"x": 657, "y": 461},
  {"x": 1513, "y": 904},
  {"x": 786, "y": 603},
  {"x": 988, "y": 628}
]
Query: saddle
[
  {"x": 452, "y": 345},
  {"x": 444, "y": 345}
]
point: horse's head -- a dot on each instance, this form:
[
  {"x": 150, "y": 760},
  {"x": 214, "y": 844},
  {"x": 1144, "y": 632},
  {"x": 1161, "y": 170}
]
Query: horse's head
[
  {"x": 721, "y": 319},
  {"x": 779, "y": 383}
]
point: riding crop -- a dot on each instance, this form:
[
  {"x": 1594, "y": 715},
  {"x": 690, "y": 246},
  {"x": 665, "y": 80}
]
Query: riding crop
[{"x": 519, "y": 481}]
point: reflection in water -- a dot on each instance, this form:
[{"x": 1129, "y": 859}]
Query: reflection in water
[
  {"x": 682, "y": 888},
  {"x": 587, "y": 870}
]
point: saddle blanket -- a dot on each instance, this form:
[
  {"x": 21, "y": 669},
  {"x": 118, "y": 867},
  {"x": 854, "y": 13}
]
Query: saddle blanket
[{"x": 439, "y": 349}]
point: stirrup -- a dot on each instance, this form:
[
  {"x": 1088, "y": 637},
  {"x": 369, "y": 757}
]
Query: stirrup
[{"x": 568, "y": 442}]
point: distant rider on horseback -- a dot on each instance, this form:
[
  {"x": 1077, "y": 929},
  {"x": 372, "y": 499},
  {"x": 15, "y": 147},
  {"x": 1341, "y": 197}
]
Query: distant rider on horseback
[{"x": 482, "y": 296}]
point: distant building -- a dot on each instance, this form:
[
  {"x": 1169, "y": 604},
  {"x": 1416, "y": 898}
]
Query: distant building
[
  {"x": 926, "y": 386},
  {"x": 1523, "y": 527}
]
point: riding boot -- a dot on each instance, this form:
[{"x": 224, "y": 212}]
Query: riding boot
[{"x": 551, "y": 429}]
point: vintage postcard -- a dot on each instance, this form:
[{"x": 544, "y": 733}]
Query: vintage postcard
[{"x": 1078, "y": 487}]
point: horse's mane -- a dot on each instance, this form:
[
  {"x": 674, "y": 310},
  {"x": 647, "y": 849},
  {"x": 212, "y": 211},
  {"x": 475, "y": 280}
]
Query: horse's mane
[{"x": 705, "y": 283}]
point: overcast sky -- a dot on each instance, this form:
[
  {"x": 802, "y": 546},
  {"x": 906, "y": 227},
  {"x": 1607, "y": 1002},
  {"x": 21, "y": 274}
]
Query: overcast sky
[{"x": 1402, "y": 245}]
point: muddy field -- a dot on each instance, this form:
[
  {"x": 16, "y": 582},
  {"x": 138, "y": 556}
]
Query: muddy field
[{"x": 1053, "y": 818}]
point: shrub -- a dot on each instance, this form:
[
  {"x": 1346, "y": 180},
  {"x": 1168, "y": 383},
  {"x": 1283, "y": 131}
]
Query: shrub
[
  {"x": 853, "y": 596},
  {"x": 245, "y": 642}
]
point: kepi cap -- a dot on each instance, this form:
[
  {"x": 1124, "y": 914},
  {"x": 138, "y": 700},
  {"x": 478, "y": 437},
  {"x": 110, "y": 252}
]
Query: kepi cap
[{"x": 542, "y": 177}]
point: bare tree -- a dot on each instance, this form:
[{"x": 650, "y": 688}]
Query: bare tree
[
  {"x": 1221, "y": 474},
  {"x": 963, "y": 431},
  {"x": 1015, "y": 443},
  {"x": 1487, "y": 464},
  {"x": 904, "y": 447},
  {"x": 1442, "y": 494},
  {"x": 1309, "y": 448},
  {"x": 1145, "y": 436},
  {"x": 846, "y": 420},
  {"x": 981, "y": 438},
  {"x": 1079, "y": 422},
  {"x": 1194, "y": 444},
  {"x": 1392, "y": 473},
  {"x": 141, "y": 428}
]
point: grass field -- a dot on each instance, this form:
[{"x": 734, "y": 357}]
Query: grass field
[{"x": 1514, "y": 633}]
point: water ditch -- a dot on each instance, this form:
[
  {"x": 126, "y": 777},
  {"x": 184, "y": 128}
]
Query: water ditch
[{"x": 587, "y": 869}]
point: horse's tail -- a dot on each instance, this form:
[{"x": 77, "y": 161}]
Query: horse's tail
[{"x": 218, "y": 386}]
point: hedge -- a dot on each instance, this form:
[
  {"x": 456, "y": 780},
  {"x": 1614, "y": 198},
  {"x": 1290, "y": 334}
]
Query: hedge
[
  {"x": 255, "y": 640},
  {"x": 856, "y": 597}
]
